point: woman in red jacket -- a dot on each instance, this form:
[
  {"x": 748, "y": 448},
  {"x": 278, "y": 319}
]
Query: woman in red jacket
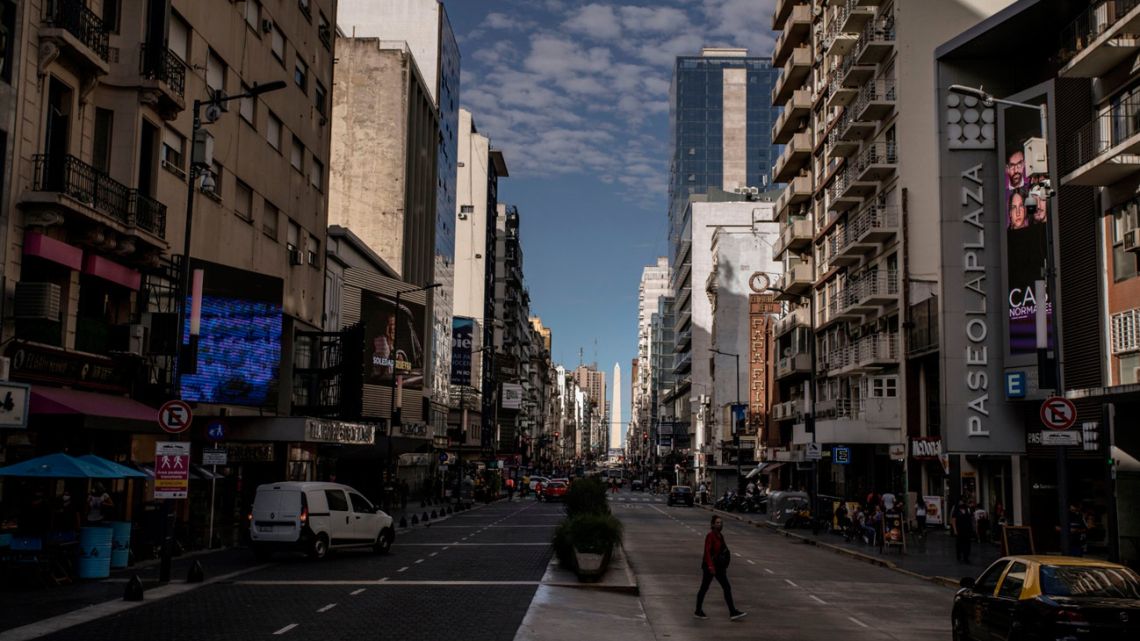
[{"x": 715, "y": 565}]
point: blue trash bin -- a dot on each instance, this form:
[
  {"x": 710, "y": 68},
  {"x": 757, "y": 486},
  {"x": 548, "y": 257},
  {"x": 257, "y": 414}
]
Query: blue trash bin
[
  {"x": 120, "y": 543},
  {"x": 94, "y": 552}
]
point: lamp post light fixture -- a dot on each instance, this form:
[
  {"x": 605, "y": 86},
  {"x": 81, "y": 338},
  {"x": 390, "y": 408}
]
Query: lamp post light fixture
[
  {"x": 735, "y": 428},
  {"x": 1049, "y": 273}
]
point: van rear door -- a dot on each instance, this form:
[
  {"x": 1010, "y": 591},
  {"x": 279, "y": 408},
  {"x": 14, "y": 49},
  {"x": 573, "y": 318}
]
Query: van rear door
[{"x": 276, "y": 509}]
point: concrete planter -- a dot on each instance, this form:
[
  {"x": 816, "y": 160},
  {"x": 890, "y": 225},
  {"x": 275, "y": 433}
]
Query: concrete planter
[{"x": 590, "y": 566}]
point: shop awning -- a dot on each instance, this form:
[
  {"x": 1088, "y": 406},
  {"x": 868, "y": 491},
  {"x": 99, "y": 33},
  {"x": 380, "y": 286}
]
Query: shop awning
[
  {"x": 56, "y": 400},
  {"x": 764, "y": 468}
]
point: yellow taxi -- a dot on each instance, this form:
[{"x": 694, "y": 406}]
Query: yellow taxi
[{"x": 1058, "y": 598}]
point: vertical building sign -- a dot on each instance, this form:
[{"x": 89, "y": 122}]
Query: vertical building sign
[{"x": 462, "y": 337}]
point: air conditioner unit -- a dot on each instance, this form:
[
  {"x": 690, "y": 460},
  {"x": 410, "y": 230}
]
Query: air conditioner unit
[
  {"x": 37, "y": 301},
  {"x": 137, "y": 337},
  {"x": 295, "y": 257},
  {"x": 267, "y": 25},
  {"x": 1132, "y": 240}
]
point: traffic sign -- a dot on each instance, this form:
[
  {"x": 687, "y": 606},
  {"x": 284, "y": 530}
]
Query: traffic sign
[
  {"x": 216, "y": 431},
  {"x": 14, "y": 404},
  {"x": 1058, "y": 413},
  {"x": 215, "y": 456},
  {"x": 1061, "y": 438},
  {"x": 814, "y": 452},
  {"x": 175, "y": 416},
  {"x": 171, "y": 470}
]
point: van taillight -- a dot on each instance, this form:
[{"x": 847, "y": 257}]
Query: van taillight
[
  {"x": 305, "y": 515},
  {"x": 250, "y": 517},
  {"x": 1070, "y": 616}
]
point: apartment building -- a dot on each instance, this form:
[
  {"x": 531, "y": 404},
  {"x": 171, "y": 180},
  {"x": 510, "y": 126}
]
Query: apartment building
[
  {"x": 654, "y": 284},
  {"x": 854, "y": 83}
]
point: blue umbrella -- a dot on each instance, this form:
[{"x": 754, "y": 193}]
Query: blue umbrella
[
  {"x": 58, "y": 466},
  {"x": 119, "y": 470}
]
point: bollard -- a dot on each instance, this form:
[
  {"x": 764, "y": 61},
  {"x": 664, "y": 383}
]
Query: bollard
[
  {"x": 134, "y": 591},
  {"x": 434, "y": 515},
  {"x": 425, "y": 516},
  {"x": 403, "y": 521},
  {"x": 196, "y": 573},
  {"x": 415, "y": 519}
]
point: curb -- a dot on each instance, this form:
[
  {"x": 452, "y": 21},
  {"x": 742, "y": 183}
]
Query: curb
[{"x": 838, "y": 549}]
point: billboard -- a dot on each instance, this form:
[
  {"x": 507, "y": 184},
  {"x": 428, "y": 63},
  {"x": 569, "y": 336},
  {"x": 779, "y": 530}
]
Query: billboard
[
  {"x": 394, "y": 340},
  {"x": 239, "y": 342},
  {"x": 512, "y": 396},
  {"x": 462, "y": 340},
  {"x": 1025, "y": 240}
]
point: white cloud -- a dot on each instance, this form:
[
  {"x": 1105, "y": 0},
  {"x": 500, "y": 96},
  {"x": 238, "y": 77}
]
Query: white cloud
[
  {"x": 597, "y": 21},
  {"x": 653, "y": 19}
]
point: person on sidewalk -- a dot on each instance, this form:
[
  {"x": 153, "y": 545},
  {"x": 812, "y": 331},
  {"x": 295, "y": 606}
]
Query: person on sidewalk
[
  {"x": 962, "y": 522},
  {"x": 714, "y": 564}
]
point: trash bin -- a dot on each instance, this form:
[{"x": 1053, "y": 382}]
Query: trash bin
[
  {"x": 94, "y": 552},
  {"x": 120, "y": 543}
]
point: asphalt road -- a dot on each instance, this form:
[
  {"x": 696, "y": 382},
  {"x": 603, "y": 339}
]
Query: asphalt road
[
  {"x": 789, "y": 589},
  {"x": 475, "y": 572}
]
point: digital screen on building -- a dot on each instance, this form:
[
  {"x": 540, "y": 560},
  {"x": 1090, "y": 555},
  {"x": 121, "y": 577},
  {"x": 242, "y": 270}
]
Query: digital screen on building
[
  {"x": 384, "y": 328},
  {"x": 1025, "y": 230},
  {"x": 239, "y": 345}
]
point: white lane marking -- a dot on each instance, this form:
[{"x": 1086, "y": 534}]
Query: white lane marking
[
  {"x": 384, "y": 579},
  {"x": 751, "y": 562},
  {"x": 402, "y": 569},
  {"x": 419, "y": 560},
  {"x": 768, "y": 571},
  {"x": 445, "y": 547},
  {"x": 789, "y": 581},
  {"x": 738, "y": 554},
  {"x": 433, "y": 553},
  {"x": 327, "y": 607},
  {"x": 358, "y": 591},
  {"x": 286, "y": 629},
  {"x": 821, "y": 601},
  {"x": 853, "y": 619}
]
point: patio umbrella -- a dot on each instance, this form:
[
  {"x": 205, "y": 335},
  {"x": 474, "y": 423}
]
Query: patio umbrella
[
  {"x": 58, "y": 466},
  {"x": 119, "y": 470}
]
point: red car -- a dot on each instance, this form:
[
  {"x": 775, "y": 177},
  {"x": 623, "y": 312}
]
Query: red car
[{"x": 554, "y": 491}]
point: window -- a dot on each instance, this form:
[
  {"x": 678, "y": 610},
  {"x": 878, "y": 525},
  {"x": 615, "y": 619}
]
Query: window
[
  {"x": 316, "y": 173},
  {"x": 104, "y": 126},
  {"x": 248, "y": 107},
  {"x": 294, "y": 236},
  {"x": 320, "y": 97},
  {"x": 360, "y": 505},
  {"x": 179, "y": 38},
  {"x": 173, "y": 152},
  {"x": 1126, "y": 217},
  {"x": 1087, "y": 581},
  {"x": 1014, "y": 579},
  {"x": 1124, "y": 331},
  {"x": 301, "y": 74},
  {"x": 253, "y": 15},
  {"x": 306, "y": 10},
  {"x": 324, "y": 30},
  {"x": 215, "y": 73},
  {"x": 884, "y": 387},
  {"x": 988, "y": 581},
  {"x": 273, "y": 131},
  {"x": 111, "y": 11},
  {"x": 243, "y": 201},
  {"x": 297, "y": 155},
  {"x": 337, "y": 502},
  {"x": 216, "y": 172},
  {"x": 277, "y": 45},
  {"x": 269, "y": 220},
  {"x": 313, "y": 252},
  {"x": 467, "y": 209}
]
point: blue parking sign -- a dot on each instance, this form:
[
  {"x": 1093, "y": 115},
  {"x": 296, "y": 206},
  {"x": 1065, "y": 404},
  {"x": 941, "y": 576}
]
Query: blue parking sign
[
  {"x": 216, "y": 431},
  {"x": 1015, "y": 384}
]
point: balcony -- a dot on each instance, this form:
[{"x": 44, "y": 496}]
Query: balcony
[
  {"x": 874, "y": 290},
  {"x": 798, "y": 190},
  {"x": 840, "y": 94},
  {"x": 782, "y": 12},
  {"x": 851, "y": 128},
  {"x": 79, "y": 33},
  {"x": 796, "y": 154},
  {"x": 839, "y": 43},
  {"x": 838, "y": 146},
  {"x": 798, "y": 364},
  {"x": 796, "y": 281},
  {"x": 1106, "y": 149},
  {"x": 682, "y": 363},
  {"x": 844, "y": 193},
  {"x": 798, "y": 317},
  {"x": 1102, "y": 37},
  {"x": 876, "y": 352},
  {"x": 683, "y": 340},
  {"x": 795, "y": 236},
  {"x": 855, "y": 17},
  {"x": 876, "y": 43},
  {"x": 796, "y": 30},
  {"x": 837, "y": 310},
  {"x": 852, "y": 74},
  {"x": 788, "y": 410},
  {"x": 868, "y": 229},
  {"x": 795, "y": 111},
  {"x": 875, "y": 102},
  {"x": 165, "y": 73},
  {"x": 875, "y": 163},
  {"x": 792, "y": 75}
]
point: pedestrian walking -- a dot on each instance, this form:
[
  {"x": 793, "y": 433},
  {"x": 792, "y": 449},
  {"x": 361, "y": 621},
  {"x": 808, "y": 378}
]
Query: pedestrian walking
[
  {"x": 962, "y": 523},
  {"x": 98, "y": 505},
  {"x": 714, "y": 565}
]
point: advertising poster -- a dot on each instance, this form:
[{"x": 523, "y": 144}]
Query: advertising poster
[
  {"x": 462, "y": 339},
  {"x": 239, "y": 342},
  {"x": 171, "y": 470},
  {"x": 388, "y": 350},
  {"x": 892, "y": 529},
  {"x": 1025, "y": 240},
  {"x": 933, "y": 510},
  {"x": 512, "y": 396}
]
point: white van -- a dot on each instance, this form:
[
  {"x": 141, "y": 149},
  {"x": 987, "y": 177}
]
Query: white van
[{"x": 314, "y": 518}]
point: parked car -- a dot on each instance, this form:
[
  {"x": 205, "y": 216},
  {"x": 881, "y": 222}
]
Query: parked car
[
  {"x": 315, "y": 518},
  {"x": 1048, "y": 597},
  {"x": 636, "y": 485},
  {"x": 554, "y": 490},
  {"x": 681, "y": 494},
  {"x": 535, "y": 480}
]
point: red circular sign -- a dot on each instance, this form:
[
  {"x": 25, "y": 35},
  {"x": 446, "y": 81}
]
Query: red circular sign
[
  {"x": 175, "y": 416},
  {"x": 1058, "y": 413}
]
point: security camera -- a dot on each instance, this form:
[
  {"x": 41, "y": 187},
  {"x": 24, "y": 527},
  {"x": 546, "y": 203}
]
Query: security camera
[
  {"x": 208, "y": 182},
  {"x": 213, "y": 112}
]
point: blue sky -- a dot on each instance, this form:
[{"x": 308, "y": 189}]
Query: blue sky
[{"x": 576, "y": 95}]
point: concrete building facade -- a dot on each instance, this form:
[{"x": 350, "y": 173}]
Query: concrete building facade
[{"x": 654, "y": 284}]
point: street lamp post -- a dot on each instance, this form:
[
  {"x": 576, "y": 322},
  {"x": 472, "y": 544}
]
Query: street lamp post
[
  {"x": 196, "y": 165},
  {"x": 395, "y": 405},
  {"x": 463, "y": 434},
  {"x": 735, "y": 427},
  {"x": 1050, "y": 274}
]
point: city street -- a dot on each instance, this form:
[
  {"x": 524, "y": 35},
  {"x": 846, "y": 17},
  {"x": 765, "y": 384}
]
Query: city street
[{"x": 478, "y": 571}]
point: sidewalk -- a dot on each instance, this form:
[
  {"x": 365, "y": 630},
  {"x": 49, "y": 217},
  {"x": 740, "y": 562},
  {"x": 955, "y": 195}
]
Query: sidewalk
[{"x": 23, "y": 605}]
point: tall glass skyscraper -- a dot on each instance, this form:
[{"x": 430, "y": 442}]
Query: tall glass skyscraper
[{"x": 720, "y": 123}]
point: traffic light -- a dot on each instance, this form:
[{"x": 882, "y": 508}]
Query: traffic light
[{"x": 1090, "y": 433}]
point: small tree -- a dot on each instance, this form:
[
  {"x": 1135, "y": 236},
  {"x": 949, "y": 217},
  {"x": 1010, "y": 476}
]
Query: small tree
[{"x": 586, "y": 496}]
